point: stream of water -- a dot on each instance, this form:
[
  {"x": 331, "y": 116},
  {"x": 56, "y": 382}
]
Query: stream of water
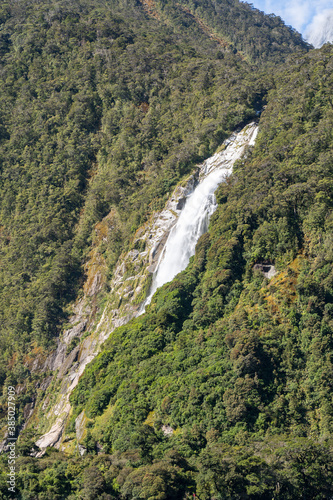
[{"x": 199, "y": 206}]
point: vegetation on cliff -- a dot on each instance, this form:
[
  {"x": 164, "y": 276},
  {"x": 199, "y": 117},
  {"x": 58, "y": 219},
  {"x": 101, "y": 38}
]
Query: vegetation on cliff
[
  {"x": 223, "y": 387},
  {"x": 239, "y": 366},
  {"x": 103, "y": 109}
]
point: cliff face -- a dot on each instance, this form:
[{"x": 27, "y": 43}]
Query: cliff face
[
  {"x": 128, "y": 290},
  {"x": 219, "y": 374}
]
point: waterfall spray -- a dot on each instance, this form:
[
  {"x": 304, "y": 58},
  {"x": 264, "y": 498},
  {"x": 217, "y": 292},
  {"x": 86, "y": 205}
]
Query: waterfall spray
[{"x": 200, "y": 205}]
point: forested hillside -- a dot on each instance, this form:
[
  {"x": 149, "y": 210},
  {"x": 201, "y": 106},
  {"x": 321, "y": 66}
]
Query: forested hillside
[
  {"x": 222, "y": 388},
  {"x": 103, "y": 107}
]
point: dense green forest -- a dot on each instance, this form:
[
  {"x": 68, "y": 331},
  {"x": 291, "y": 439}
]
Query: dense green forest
[
  {"x": 105, "y": 106},
  {"x": 102, "y": 107}
]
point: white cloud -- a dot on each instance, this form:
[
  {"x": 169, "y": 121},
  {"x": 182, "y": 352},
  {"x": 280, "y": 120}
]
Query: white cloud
[
  {"x": 321, "y": 28},
  {"x": 297, "y": 13},
  {"x": 294, "y": 12}
]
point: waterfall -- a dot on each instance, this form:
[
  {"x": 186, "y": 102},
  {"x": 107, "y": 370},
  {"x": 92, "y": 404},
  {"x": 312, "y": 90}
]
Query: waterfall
[{"x": 199, "y": 206}]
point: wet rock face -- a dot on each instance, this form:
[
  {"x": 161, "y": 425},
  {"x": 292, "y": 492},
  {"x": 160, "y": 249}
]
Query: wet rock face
[
  {"x": 80, "y": 427},
  {"x": 193, "y": 220},
  {"x": 27, "y": 411},
  {"x": 52, "y": 437},
  {"x": 129, "y": 287}
]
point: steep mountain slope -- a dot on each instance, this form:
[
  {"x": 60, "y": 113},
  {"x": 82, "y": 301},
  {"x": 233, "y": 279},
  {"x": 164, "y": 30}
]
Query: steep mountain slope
[
  {"x": 104, "y": 108},
  {"x": 257, "y": 36},
  {"x": 236, "y": 366},
  {"x": 223, "y": 387}
]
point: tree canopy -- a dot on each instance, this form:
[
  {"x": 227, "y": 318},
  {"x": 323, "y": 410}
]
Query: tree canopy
[{"x": 223, "y": 388}]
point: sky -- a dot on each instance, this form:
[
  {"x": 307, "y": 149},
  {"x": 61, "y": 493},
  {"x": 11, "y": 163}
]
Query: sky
[{"x": 312, "y": 18}]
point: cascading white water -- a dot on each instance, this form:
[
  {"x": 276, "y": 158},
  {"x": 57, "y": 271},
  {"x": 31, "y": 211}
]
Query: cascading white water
[
  {"x": 200, "y": 205},
  {"x": 191, "y": 224}
]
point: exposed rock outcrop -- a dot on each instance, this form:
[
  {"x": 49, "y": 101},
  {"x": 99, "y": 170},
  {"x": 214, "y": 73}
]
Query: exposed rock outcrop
[
  {"x": 129, "y": 287},
  {"x": 267, "y": 269}
]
